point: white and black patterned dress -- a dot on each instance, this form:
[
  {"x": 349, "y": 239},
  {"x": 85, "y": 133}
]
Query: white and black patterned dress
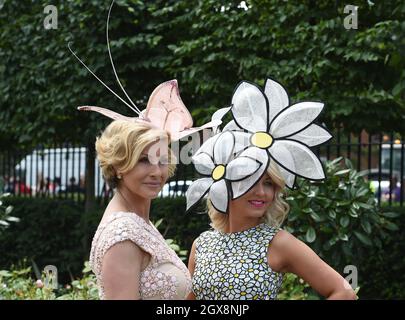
[{"x": 233, "y": 266}]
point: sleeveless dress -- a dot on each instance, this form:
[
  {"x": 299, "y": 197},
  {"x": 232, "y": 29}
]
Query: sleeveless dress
[
  {"x": 233, "y": 266},
  {"x": 166, "y": 277}
]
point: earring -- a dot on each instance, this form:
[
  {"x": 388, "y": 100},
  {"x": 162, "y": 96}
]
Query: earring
[{"x": 119, "y": 177}]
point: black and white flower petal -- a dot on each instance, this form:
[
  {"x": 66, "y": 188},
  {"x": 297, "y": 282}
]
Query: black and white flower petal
[
  {"x": 297, "y": 158},
  {"x": 220, "y": 113},
  {"x": 312, "y": 136},
  {"x": 197, "y": 191},
  {"x": 208, "y": 146},
  {"x": 250, "y": 107},
  {"x": 295, "y": 118},
  {"x": 241, "y": 168},
  {"x": 288, "y": 177},
  {"x": 224, "y": 147},
  {"x": 239, "y": 188},
  {"x": 218, "y": 195},
  {"x": 203, "y": 163},
  {"x": 277, "y": 97},
  {"x": 231, "y": 125},
  {"x": 242, "y": 141}
]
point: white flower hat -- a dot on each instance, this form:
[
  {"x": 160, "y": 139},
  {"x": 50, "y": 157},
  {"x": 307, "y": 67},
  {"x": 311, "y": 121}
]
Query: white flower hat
[
  {"x": 266, "y": 127},
  {"x": 281, "y": 131}
]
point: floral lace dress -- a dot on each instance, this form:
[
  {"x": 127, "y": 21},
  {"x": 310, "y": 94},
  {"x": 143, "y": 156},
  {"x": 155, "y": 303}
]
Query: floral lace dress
[{"x": 166, "y": 277}]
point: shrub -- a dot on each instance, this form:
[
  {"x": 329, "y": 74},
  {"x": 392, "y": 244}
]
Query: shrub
[
  {"x": 5, "y": 217},
  {"x": 47, "y": 234},
  {"x": 18, "y": 284},
  {"x": 339, "y": 218},
  {"x": 294, "y": 288},
  {"x": 383, "y": 269}
]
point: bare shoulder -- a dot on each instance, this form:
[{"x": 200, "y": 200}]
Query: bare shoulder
[
  {"x": 284, "y": 240},
  {"x": 191, "y": 259},
  {"x": 193, "y": 246},
  {"x": 282, "y": 237},
  {"x": 124, "y": 252},
  {"x": 121, "y": 269},
  {"x": 281, "y": 246}
]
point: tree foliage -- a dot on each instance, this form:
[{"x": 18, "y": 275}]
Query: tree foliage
[{"x": 209, "y": 46}]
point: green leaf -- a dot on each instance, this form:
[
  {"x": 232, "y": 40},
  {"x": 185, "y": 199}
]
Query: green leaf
[
  {"x": 348, "y": 163},
  {"x": 366, "y": 226},
  {"x": 365, "y": 206},
  {"x": 4, "y": 223},
  {"x": 310, "y": 236},
  {"x": 332, "y": 214},
  {"x": 342, "y": 172},
  {"x": 363, "y": 238},
  {"x": 391, "y": 226},
  {"x": 5, "y": 273},
  {"x": 361, "y": 192},
  {"x": 158, "y": 223},
  {"x": 343, "y": 203},
  {"x": 353, "y": 213},
  {"x": 13, "y": 219},
  {"x": 335, "y": 161},
  {"x": 316, "y": 217},
  {"x": 355, "y": 206},
  {"x": 390, "y": 214},
  {"x": 344, "y": 221}
]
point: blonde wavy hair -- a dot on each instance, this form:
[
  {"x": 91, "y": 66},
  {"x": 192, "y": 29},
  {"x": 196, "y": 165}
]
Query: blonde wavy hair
[
  {"x": 121, "y": 144},
  {"x": 274, "y": 216}
]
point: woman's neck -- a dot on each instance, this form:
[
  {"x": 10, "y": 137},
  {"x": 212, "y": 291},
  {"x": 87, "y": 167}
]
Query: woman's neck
[
  {"x": 134, "y": 203},
  {"x": 237, "y": 223}
]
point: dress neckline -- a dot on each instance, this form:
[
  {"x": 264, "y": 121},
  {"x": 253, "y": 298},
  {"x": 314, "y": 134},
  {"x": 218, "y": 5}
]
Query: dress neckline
[
  {"x": 131, "y": 214},
  {"x": 235, "y": 234}
]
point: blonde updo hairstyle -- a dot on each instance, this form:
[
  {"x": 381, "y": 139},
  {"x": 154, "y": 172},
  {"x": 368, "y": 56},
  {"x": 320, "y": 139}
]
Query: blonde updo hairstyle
[
  {"x": 274, "y": 216},
  {"x": 120, "y": 146}
]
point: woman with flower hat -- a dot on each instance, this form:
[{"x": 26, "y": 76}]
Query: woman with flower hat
[{"x": 246, "y": 167}]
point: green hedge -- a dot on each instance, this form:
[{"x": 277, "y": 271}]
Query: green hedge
[
  {"x": 48, "y": 234},
  {"x": 382, "y": 273}
]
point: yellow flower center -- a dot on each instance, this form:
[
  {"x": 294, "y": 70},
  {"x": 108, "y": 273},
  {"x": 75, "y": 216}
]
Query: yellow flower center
[
  {"x": 218, "y": 172},
  {"x": 262, "y": 140}
]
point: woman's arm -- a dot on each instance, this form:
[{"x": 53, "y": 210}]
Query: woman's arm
[
  {"x": 191, "y": 266},
  {"x": 296, "y": 257},
  {"x": 120, "y": 271}
]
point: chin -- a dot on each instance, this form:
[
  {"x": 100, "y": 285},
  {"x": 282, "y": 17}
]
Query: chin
[
  {"x": 147, "y": 193},
  {"x": 154, "y": 196},
  {"x": 257, "y": 213},
  {"x": 151, "y": 195}
]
